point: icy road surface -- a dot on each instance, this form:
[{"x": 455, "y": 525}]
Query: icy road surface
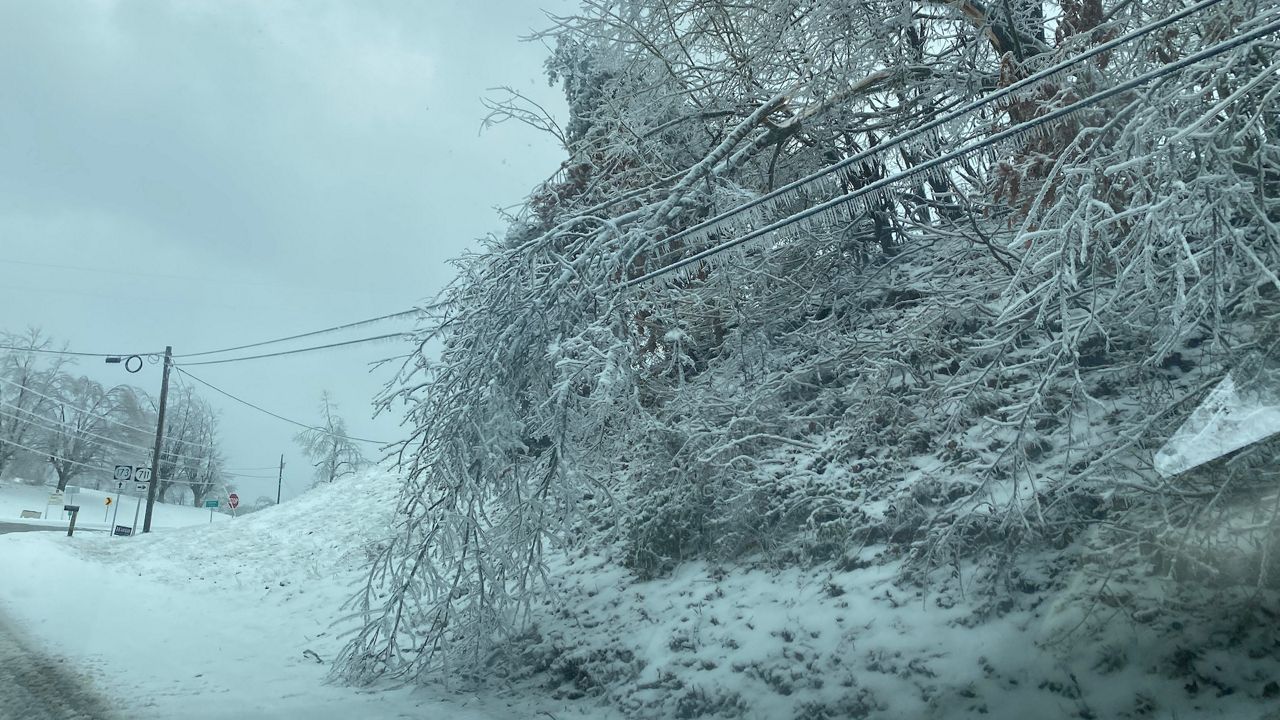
[{"x": 33, "y": 687}]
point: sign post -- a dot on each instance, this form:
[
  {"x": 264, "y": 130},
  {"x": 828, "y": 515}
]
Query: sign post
[
  {"x": 142, "y": 483},
  {"x": 212, "y": 505},
  {"x": 137, "y": 506},
  {"x": 106, "y": 513},
  {"x": 55, "y": 498},
  {"x": 121, "y": 475}
]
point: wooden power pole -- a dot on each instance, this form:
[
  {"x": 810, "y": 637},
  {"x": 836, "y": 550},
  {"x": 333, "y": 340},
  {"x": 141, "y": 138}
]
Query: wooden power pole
[
  {"x": 155, "y": 455},
  {"x": 280, "y": 478}
]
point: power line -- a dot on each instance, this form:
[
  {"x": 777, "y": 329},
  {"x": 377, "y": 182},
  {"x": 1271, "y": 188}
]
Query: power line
[
  {"x": 42, "y": 452},
  {"x": 274, "y": 415},
  {"x": 72, "y": 353},
  {"x": 101, "y": 468},
  {"x": 336, "y": 328},
  {"x": 46, "y": 423},
  {"x": 50, "y": 424},
  {"x": 299, "y": 350},
  {"x": 324, "y": 331},
  {"x": 943, "y": 119},
  {"x": 113, "y": 421},
  {"x": 928, "y": 165}
]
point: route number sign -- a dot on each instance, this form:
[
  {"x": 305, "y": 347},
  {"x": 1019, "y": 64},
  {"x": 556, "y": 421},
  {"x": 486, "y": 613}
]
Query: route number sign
[{"x": 123, "y": 472}]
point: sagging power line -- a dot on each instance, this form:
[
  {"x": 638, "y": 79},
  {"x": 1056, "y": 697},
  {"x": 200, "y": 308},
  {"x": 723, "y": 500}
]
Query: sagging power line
[
  {"x": 934, "y": 163},
  {"x": 88, "y": 466},
  {"x": 263, "y": 410},
  {"x": 324, "y": 331},
  {"x": 941, "y": 120},
  {"x": 297, "y": 351},
  {"x": 72, "y": 353},
  {"x": 119, "y": 423},
  {"x": 50, "y": 424}
]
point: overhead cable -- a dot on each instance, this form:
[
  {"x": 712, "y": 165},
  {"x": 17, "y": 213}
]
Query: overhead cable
[
  {"x": 945, "y": 118},
  {"x": 336, "y": 328},
  {"x": 101, "y": 468},
  {"x": 933, "y": 163},
  {"x": 297, "y": 351},
  {"x": 113, "y": 421},
  {"x": 46, "y": 351},
  {"x": 260, "y": 409},
  {"x": 51, "y": 424}
]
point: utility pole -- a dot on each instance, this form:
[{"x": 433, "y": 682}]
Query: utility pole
[
  {"x": 280, "y": 478},
  {"x": 155, "y": 455}
]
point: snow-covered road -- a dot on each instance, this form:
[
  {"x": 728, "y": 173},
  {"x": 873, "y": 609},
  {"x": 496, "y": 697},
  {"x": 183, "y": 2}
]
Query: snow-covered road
[
  {"x": 20, "y": 527},
  {"x": 34, "y": 687},
  {"x": 224, "y": 621}
]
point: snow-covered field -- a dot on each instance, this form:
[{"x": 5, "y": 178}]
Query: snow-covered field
[
  {"x": 229, "y": 620},
  {"x": 95, "y": 514}
]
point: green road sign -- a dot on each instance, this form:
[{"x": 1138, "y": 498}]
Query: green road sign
[{"x": 211, "y": 503}]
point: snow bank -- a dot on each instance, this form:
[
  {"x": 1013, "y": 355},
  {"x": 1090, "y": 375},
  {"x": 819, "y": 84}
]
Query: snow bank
[
  {"x": 230, "y": 620},
  {"x": 841, "y": 642}
]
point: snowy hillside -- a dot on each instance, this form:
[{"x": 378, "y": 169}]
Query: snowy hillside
[
  {"x": 853, "y": 360},
  {"x": 232, "y": 620},
  {"x": 908, "y": 301}
]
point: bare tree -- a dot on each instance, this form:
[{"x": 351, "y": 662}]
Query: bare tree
[
  {"x": 190, "y": 458},
  {"x": 85, "y": 425},
  {"x": 332, "y": 451},
  {"x": 26, "y": 379}
]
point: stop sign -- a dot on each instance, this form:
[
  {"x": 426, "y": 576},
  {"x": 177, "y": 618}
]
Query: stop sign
[{"x": 233, "y": 500}]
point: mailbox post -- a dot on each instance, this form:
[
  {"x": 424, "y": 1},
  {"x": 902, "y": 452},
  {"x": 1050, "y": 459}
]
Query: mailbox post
[{"x": 75, "y": 513}]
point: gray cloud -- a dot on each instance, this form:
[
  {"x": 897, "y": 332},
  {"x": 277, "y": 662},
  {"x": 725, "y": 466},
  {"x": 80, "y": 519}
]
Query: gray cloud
[{"x": 232, "y": 171}]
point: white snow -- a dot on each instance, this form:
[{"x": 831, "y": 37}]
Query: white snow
[
  {"x": 95, "y": 514},
  {"x": 763, "y": 643},
  {"x": 218, "y": 621},
  {"x": 239, "y": 619}
]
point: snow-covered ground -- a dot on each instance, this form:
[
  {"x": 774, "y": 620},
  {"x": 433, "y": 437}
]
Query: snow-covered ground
[
  {"x": 229, "y": 620},
  {"x": 95, "y": 514},
  {"x": 831, "y": 642},
  {"x": 241, "y": 618}
]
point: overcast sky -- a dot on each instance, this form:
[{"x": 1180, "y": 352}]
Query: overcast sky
[{"x": 206, "y": 174}]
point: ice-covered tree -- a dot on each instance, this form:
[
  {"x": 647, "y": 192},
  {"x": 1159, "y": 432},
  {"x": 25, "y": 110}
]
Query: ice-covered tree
[
  {"x": 85, "y": 425},
  {"x": 190, "y": 457},
  {"x": 333, "y": 453},
  {"x": 989, "y": 328},
  {"x": 26, "y": 379}
]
